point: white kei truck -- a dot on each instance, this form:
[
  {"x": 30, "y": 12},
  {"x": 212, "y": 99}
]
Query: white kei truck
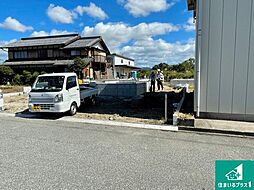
[{"x": 59, "y": 93}]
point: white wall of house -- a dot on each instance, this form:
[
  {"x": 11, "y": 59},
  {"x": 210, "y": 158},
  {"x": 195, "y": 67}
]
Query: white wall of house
[
  {"x": 122, "y": 61},
  {"x": 118, "y": 61},
  {"x": 227, "y": 58}
]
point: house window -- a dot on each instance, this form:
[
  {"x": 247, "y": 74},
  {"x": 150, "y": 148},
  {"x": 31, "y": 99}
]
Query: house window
[
  {"x": 56, "y": 53},
  {"x": 42, "y": 53},
  {"x": 75, "y": 52},
  {"x": 20, "y": 54},
  {"x": 129, "y": 62},
  {"x": 10, "y": 54},
  {"x": 50, "y": 53},
  {"x": 121, "y": 60}
]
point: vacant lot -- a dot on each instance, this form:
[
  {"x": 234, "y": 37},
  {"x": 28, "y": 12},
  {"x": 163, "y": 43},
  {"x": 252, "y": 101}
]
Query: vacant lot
[
  {"x": 149, "y": 109},
  {"x": 146, "y": 109},
  {"x": 15, "y": 104}
]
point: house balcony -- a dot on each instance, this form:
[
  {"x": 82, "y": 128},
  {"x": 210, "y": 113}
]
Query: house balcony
[{"x": 100, "y": 59}]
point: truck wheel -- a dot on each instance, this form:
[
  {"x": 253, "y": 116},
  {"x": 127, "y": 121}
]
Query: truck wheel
[{"x": 73, "y": 109}]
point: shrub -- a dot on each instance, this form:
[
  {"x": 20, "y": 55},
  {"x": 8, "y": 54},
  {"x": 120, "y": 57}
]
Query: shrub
[
  {"x": 6, "y": 74},
  {"x": 27, "y": 76},
  {"x": 17, "y": 80},
  {"x": 34, "y": 76}
]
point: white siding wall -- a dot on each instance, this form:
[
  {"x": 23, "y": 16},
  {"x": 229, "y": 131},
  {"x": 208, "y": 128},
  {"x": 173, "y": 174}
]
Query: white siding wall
[
  {"x": 118, "y": 61},
  {"x": 227, "y": 57},
  {"x": 250, "y": 84}
]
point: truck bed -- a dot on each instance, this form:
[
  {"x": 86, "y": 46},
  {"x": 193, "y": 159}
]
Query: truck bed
[{"x": 87, "y": 92}]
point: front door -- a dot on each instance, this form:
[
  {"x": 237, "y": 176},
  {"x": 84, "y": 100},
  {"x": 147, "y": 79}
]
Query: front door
[{"x": 73, "y": 90}]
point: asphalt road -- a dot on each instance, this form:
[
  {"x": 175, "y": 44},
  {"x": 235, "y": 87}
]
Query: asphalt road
[{"x": 48, "y": 154}]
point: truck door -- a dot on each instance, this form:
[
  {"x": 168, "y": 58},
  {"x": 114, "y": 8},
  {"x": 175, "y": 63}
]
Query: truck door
[{"x": 73, "y": 90}]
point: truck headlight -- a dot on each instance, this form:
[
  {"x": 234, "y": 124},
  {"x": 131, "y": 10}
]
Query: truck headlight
[
  {"x": 58, "y": 98},
  {"x": 29, "y": 98}
]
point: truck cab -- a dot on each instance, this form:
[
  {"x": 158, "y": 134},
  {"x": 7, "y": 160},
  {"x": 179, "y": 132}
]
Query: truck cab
[{"x": 56, "y": 92}]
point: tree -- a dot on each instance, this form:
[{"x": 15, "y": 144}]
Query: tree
[
  {"x": 181, "y": 70},
  {"x": 27, "y": 77},
  {"x": 6, "y": 74},
  {"x": 161, "y": 66},
  {"x": 144, "y": 73},
  {"x": 78, "y": 66}
]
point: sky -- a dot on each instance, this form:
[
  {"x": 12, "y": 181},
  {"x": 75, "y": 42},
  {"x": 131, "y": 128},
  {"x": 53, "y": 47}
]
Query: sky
[{"x": 149, "y": 31}]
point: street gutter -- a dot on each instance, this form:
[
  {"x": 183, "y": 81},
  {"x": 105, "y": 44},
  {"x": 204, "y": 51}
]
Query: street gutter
[{"x": 216, "y": 131}]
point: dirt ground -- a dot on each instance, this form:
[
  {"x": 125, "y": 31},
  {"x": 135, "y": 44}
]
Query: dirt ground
[
  {"x": 148, "y": 109},
  {"x": 105, "y": 109},
  {"x": 15, "y": 104},
  {"x": 9, "y": 89}
]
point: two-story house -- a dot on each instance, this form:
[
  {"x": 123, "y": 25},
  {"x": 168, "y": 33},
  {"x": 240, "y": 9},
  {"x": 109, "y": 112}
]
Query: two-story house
[
  {"x": 123, "y": 66},
  {"x": 56, "y": 54}
]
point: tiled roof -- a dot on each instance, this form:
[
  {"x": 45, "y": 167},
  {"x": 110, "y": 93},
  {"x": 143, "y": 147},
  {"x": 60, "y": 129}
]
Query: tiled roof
[
  {"x": 44, "y": 62},
  {"x": 83, "y": 42},
  {"x": 40, "y": 41}
]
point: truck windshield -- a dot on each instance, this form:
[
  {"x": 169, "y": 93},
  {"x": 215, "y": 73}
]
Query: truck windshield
[{"x": 48, "y": 84}]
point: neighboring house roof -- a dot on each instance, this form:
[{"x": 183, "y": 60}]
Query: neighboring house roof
[
  {"x": 45, "y": 40},
  {"x": 118, "y": 55},
  {"x": 87, "y": 42},
  {"x": 83, "y": 42},
  {"x": 44, "y": 62}
]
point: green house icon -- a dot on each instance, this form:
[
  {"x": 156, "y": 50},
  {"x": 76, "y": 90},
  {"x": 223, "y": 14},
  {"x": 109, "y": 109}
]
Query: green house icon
[{"x": 235, "y": 174}]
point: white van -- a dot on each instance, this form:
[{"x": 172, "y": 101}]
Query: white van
[{"x": 59, "y": 93}]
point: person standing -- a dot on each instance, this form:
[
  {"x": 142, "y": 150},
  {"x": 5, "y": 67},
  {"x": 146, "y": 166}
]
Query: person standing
[
  {"x": 160, "y": 79},
  {"x": 153, "y": 79}
]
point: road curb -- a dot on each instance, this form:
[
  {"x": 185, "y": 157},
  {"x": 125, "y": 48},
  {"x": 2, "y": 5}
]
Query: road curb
[
  {"x": 121, "y": 124},
  {"x": 217, "y": 131},
  {"x": 20, "y": 115},
  {"x": 141, "y": 125},
  {"x": 101, "y": 122},
  {"x": 8, "y": 114}
]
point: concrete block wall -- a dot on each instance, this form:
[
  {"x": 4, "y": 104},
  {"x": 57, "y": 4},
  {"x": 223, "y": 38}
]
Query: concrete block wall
[{"x": 127, "y": 89}]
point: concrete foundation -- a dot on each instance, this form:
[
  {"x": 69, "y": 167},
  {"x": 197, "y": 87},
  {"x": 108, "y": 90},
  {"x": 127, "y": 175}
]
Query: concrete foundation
[{"x": 126, "y": 89}]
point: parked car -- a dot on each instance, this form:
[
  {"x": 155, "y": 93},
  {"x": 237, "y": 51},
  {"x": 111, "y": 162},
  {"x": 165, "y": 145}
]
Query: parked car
[{"x": 59, "y": 93}]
